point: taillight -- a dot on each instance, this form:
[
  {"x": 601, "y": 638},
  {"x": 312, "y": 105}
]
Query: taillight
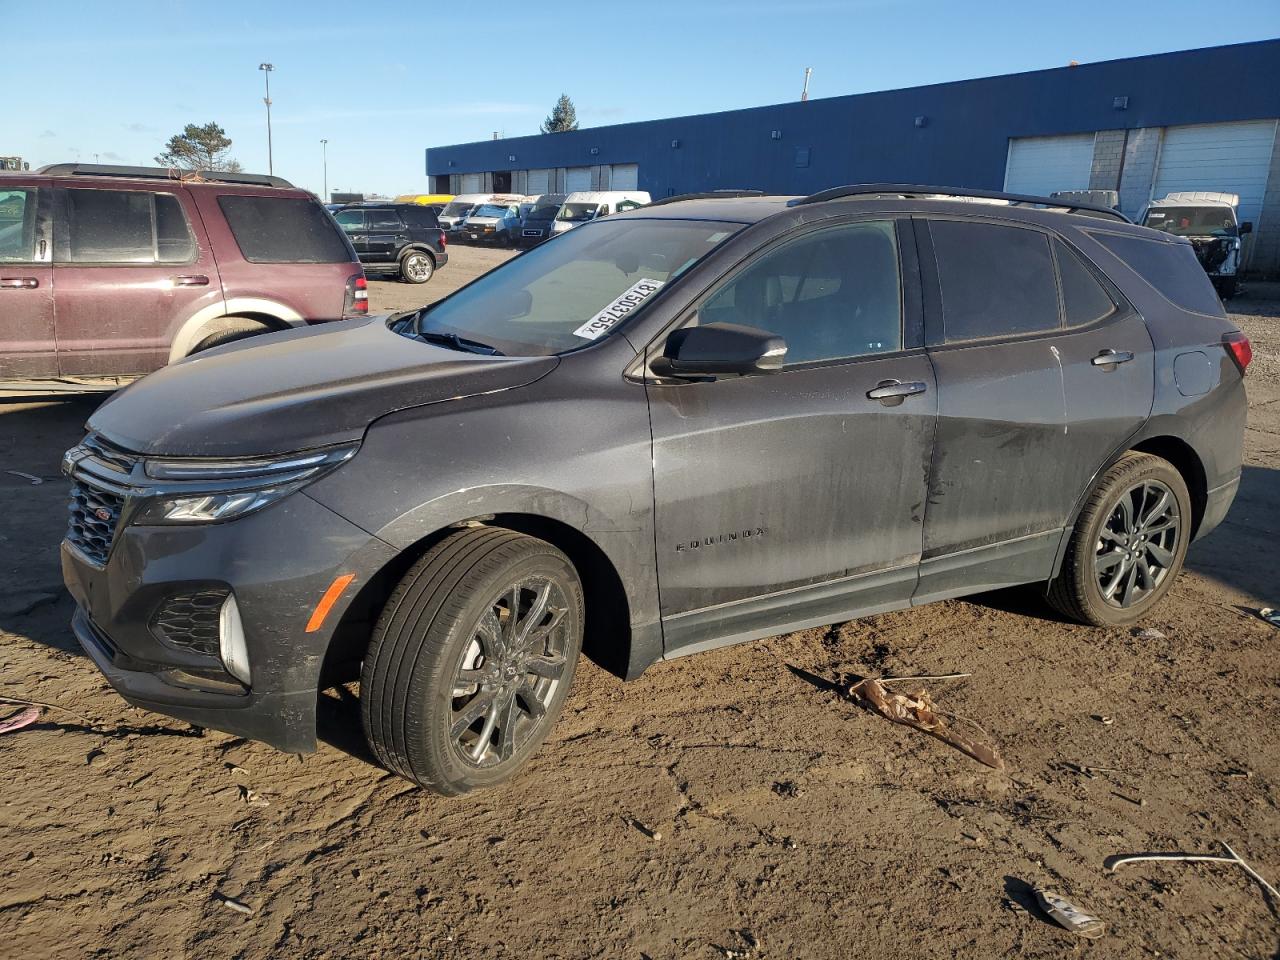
[
  {"x": 444, "y": 240},
  {"x": 1237, "y": 344},
  {"x": 357, "y": 300}
]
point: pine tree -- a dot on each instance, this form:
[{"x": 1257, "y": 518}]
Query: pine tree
[
  {"x": 563, "y": 117},
  {"x": 199, "y": 148}
]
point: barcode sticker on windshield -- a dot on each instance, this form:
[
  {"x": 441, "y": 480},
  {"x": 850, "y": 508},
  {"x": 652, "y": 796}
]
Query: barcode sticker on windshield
[{"x": 604, "y": 321}]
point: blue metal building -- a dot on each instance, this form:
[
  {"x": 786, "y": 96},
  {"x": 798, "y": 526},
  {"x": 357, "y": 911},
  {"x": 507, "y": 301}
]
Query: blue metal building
[{"x": 1197, "y": 119}]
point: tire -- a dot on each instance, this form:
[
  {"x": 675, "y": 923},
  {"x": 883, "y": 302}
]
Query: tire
[
  {"x": 225, "y": 337},
  {"x": 417, "y": 266},
  {"x": 1227, "y": 287},
  {"x": 1127, "y": 533},
  {"x": 448, "y": 698}
]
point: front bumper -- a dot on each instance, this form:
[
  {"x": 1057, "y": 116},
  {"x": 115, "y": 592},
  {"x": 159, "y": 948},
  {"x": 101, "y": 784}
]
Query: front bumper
[{"x": 278, "y": 562}]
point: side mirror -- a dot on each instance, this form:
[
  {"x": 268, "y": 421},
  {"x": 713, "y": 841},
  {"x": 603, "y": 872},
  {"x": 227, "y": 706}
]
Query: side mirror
[
  {"x": 719, "y": 349},
  {"x": 1246, "y": 227}
]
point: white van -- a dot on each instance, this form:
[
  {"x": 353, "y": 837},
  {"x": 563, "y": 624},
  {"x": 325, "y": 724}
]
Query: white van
[
  {"x": 456, "y": 210},
  {"x": 590, "y": 205}
]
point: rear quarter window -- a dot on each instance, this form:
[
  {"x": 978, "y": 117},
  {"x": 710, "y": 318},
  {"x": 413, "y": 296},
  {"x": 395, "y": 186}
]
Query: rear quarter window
[
  {"x": 283, "y": 230},
  {"x": 1172, "y": 268}
]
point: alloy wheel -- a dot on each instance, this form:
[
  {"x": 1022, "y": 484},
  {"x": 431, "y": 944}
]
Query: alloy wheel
[
  {"x": 1137, "y": 545},
  {"x": 417, "y": 267},
  {"x": 509, "y": 672}
]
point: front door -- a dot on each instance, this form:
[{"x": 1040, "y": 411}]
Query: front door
[
  {"x": 28, "y": 348},
  {"x": 129, "y": 271},
  {"x": 795, "y": 498}
]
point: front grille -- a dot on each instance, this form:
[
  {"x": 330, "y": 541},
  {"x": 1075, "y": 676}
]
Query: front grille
[
  {"x": 95, "y": 514},
  {"x": 101, "y": 476},
  {"x": 189, "y": 621}
]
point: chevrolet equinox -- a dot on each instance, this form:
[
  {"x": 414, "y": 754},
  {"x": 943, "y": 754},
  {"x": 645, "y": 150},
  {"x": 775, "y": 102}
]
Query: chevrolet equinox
[{"x": 710, "y": 420}]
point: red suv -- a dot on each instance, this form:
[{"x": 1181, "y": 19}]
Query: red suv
[{"x": 111, "y": 272}]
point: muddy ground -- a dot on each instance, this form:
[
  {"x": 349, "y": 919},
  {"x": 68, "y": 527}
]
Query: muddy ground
[{"x": 791, "y": 823}]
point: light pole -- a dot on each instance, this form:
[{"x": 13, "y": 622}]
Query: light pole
[
  {"x": 324, "y": 154},
  {"x": 266, "y": 69}
]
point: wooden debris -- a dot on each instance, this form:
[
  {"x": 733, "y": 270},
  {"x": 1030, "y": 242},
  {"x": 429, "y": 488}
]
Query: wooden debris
[{"x": 919, "y": 711}]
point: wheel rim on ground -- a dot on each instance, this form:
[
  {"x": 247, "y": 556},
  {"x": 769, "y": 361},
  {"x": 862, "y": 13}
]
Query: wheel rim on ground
[
  {"x": 1137, "y": 545},
  {"x": 509, "y": 671},
  {"x": 417, "y": 267}
]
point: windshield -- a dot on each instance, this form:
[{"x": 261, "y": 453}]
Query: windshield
[
  {"x": 578, "y": 212},
  {"x": 567, "y": 293},
  {"x": 456, "y": 209},
  {"x": 490, "y": 210},
  {"x": 1192, "y": 221},
  {"x": 543, "y": 213}
]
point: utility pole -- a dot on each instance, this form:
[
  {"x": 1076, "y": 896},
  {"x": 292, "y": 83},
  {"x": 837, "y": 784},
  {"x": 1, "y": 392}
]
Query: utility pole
[
  {"x": 804, "y": 94},
  {"x": 324, "y": 154},
  {"x": 266, "y": 69}
]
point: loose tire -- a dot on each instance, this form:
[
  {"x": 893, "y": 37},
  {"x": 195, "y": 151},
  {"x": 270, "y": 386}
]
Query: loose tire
[
  {"x": 457, "y": 691},
  {"x": 1228, "y": 287},
  {"x": 416, "y": 267},
  {"x": 1128, "y": 544}
]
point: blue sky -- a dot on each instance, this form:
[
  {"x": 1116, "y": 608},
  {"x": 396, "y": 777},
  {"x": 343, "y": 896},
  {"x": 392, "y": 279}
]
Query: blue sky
[{"x": 384, "y": 81}]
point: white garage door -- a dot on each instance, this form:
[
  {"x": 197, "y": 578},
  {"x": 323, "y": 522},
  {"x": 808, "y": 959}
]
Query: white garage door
[
  {"x": 1223, "y": 157},
  {"x": 577, "y": 179},
  {"x": 472, "y": 182},
  {"x": 1043, "y": 165},
  {"x": 626, "y": 176},
  {"x": 539, "y": 182}
]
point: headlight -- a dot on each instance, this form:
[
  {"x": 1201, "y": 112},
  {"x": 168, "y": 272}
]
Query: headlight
[{"x": 208, "y": 491}]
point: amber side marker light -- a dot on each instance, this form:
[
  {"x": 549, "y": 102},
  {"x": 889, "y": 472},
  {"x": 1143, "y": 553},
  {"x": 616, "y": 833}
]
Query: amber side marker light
[{"x": 328, "y": 600}]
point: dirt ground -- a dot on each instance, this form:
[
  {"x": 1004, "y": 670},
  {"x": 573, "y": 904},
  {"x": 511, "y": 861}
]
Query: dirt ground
[{"x": 733, "y": 804}]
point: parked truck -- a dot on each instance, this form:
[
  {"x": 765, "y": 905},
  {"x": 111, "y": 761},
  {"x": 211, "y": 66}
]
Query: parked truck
[{"x": 1210, "y": 221}]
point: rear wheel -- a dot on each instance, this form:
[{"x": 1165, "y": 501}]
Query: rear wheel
[
  {"x": 416, "y": 267},
  {"x": 1128, "y": 544},
  {"x": 472, "y": 659},
  {"x": 228, "y": 336}
]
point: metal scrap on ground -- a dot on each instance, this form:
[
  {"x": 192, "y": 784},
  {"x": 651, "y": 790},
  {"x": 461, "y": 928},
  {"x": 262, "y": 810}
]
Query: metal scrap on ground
[
  {"x": 1067, "y": 915},
  {"x": 919, "y": 711},
  {"x": 1270, "y": 615},
  {"x": 1111, "y": 863}
]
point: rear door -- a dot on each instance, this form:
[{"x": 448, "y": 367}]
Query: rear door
[
  {"x": 128, "y": 270},
  {"x": 795, "y": 498},
  {"x": 28, "y": 347},
  {"x": 997, "y": 500},
  {"x": 353, "y": 225},
  {"x": 386, "y": 234}
]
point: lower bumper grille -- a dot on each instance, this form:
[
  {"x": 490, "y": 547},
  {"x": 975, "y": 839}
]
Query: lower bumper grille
[{"x": 189, "y": 621}]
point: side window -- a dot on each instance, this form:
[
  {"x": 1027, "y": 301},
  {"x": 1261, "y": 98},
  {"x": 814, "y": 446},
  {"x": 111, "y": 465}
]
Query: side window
[
  {"x": 174, "y": 243},
  {"x": 125, "y": 226},
  {"x": 275, "y": 229},
  {"x": 17, "y": 225},
  {"x": 996, "y": 281},
  {"x": 1083, "y": 298},
  {"x": 384, "y": 221},
  {"x": 109, "y": 226},
  {"x": 832, "y": 294},
  {"x": 1172, "y": 268},
  {"x": 351, "y": 221}
]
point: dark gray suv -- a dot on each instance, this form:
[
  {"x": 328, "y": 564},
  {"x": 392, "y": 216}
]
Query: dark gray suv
[{"x": 704, "y": 422}]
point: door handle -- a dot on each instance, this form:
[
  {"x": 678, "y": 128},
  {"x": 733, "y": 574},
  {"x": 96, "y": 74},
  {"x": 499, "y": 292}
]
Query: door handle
[
  {"x": 18, "y": 283},
  {"x": 191, "y": 280},
  {"x": 1109, "y": 358},
  {"x": 893, "y": 392}
]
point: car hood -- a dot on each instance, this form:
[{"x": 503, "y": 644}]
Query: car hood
[{"x": 303, "y": 388}]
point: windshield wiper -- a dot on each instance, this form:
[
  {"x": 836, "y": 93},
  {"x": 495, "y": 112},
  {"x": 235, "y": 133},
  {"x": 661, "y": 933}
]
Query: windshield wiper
[{"x": 456, "y": 342}]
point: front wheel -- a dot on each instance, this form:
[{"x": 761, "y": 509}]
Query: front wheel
[
  {"x": 416, "y": 267},
  {"x": 1128, "y": 544},
  {"x": 1227, "y": 287},
  {"x": 472, "y": 659}
]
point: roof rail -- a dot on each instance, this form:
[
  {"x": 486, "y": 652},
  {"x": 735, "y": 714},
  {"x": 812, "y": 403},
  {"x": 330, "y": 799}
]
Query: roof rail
[
  {"x": 160, "y": 173},
  {"x": 916, "y": 191},
  {"x": 707, "y": 195}
]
